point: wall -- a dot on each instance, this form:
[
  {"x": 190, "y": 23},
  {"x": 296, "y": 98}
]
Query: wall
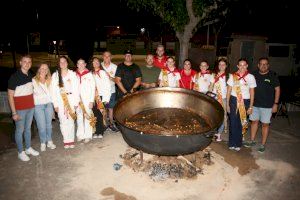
[
  {"x": 235, "y": 50},
  {"x": 4, "y": 105},
  {"x": 281, "y": 64}
]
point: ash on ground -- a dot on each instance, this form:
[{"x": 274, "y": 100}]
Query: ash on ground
[{"x": 160, "y": 168}]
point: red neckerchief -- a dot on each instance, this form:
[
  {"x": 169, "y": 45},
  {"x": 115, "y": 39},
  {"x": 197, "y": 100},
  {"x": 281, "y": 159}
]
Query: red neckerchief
[
  {"x": 242, "y": 77},
  {"x": 203, "y": 73},
  {"x": 172, "y": 72},
  {"x": 217, "y": 78},
  {"x": 82, "y": 74}
]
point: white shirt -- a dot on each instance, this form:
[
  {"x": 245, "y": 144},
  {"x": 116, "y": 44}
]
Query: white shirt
[
  {"x": 222, "y": 82},
  {"x": 173, "y": 78},
  {"x": 41, "y": 93},
  {"x": 245, "y": 85},
  {"x": 103, "y": 85},
  {"x": 202, "y": 81},
  {"x": 71, "y": 85},
  {"x": 87, "y": 88},
  {"x": 111, "y": 70}
]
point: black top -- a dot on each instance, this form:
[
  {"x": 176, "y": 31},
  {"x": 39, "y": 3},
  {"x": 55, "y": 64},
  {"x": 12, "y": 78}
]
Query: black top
[
  {"x": 19, "y": 79},
  {"x": 128, "y": 74},
  {"x": 265, "y": 90}
]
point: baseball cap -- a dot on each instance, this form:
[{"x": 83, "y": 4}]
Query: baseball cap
[{"x": 128, "y": 51}]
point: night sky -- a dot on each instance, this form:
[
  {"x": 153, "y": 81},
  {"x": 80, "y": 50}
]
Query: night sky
[{"x": 61, "y": 19}]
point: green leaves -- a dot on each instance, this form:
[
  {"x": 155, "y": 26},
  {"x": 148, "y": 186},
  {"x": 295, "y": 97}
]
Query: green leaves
[{"x": 175, "y": 13}]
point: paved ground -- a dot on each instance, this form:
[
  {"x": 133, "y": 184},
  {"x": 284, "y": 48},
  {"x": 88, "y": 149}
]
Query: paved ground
[{"x": 87, "y": 172}]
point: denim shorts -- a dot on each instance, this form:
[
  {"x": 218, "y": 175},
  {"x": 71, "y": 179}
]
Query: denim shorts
[
  {"x": 262, "y": 114},
  {"x": 112, "y": 101}
]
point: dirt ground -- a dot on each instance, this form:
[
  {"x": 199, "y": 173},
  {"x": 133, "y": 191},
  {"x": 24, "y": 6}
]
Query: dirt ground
[{"x": 88, "y": 172}]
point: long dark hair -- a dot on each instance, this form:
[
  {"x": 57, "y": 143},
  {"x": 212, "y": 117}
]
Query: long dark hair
[
  {"x": 60, "y": 80},
  {"x": 91, "y": 64},
  {"x": 225, "y": 60}
]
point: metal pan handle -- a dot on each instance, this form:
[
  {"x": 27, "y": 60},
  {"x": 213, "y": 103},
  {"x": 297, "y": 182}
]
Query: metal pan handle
[{"x": 211, "y": 94}]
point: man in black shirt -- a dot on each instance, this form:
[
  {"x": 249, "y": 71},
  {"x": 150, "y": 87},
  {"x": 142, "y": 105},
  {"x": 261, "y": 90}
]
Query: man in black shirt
[
  {"x": 128, "y": 76},
  {"x": 266, "y": 100}
]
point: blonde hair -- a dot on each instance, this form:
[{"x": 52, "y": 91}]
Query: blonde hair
[{"x": 48, "y": 75}]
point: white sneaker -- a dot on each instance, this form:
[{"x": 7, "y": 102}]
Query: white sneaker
[
  {"x": 100, "y": 136},
  {"x": 218, "y": 137},
  {"x": 31, "y": 151},
  {"x": 50, "y": 145},
  {"x": 237, "y": 148},
  {"x": 43, "y": 147},
  {"x": 231, "y": 148},
  {"x": 95, "y": 136},
  {"x": 72, "y": 146},
  {"x": 22, "y": 156},
  {"x": 66, "y": 146}
]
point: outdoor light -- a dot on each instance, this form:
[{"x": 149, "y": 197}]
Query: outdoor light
[
  {"x": 143, "y": 30},
  {"x": 118, "y": 27},
  {"x": 54, "y": 42}
]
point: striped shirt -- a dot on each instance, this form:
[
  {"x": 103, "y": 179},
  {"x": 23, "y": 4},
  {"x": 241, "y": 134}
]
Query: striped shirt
[{"x": 22, "y": 85}]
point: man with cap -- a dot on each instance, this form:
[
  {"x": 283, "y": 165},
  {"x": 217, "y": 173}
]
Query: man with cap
[{"x": 128, "y": 76}]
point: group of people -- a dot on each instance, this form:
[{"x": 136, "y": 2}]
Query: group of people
[
  {"x": 242, "y": 94},
  {"x": 87, "y": 97}
]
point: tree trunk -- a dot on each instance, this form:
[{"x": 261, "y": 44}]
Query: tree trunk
[{"x": 183, "y": 50}]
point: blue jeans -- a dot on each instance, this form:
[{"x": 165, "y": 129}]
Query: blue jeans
[
  {"x": 24, "y": 126},
  {"x": 43, "y": 116},
  {"x": 221, "y": 128}
]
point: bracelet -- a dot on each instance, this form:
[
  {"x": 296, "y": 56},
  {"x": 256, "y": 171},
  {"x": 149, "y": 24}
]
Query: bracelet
[{"x": 276, "y": 103}]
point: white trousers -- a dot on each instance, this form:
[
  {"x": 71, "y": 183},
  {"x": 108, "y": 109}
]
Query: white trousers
[
  {"x": 84, "y": 129},
  {"x": 66, "y": 125}
]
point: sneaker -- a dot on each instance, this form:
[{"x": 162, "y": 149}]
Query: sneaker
[
  {"x": 237, "y": 148},
  {"x": 100, "y": 136},
  {"x": 31, "y": 151},
  {"x": 50, "y": 145},
  {"x": 43, "y": 147},
  {"x": 79, "y": 140},
  {"x": 66, "y": 146},
  {"x": 231, "y": 148},
  {"x": 95, "y": 136},
  {"x": 72, "y": 146},
  {"x": 113, "y": 127},
  {"x": 261, "y": 149},
  {"x": 22, "y": 156},
  {"x": 250, "y": 143},
  {"x": 218, "y": 137}
]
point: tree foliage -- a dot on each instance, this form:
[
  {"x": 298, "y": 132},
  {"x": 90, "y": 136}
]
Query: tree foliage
[
  {"x": 184, "y": 16},
  {"x": 175, "y": 13}
]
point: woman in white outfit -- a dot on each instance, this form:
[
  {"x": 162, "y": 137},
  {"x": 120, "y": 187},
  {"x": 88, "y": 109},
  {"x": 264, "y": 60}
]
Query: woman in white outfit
[
  {"x": 43, "y": 110},
  {"x": 85, "y": 117},
  {"x": 102, "y": 96},
  {"x": 65, "y": 98},
  {"x": 169, "y": 76}
]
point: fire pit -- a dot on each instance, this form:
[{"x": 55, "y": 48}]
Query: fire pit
[{"x": 168, "y": 121}]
